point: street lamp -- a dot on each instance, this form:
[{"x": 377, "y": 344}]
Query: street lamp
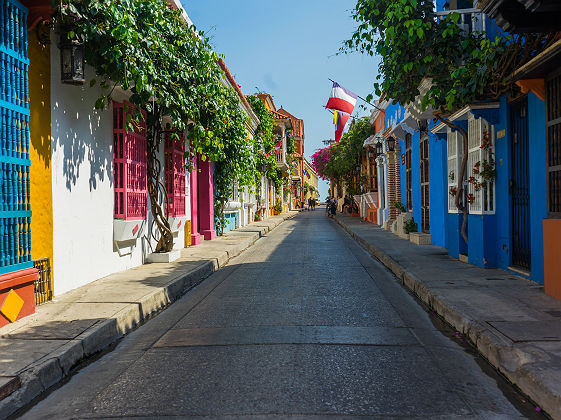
[
  {"x": 72, "y": 60},
  {"x": 379, "y": 148},
  {"x": 391, "y": 144}
]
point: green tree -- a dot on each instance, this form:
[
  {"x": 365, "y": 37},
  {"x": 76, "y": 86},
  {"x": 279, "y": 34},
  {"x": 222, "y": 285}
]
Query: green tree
[{"x": 416, "y": 45}]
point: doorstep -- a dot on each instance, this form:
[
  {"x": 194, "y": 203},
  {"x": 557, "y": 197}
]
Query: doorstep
[
  {"x": 420, "y": 238},
  {"x": 163, "y": 257}
]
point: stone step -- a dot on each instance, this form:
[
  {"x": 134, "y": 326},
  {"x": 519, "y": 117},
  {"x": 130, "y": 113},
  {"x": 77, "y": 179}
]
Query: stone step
[{"x": 420, "y": 238}]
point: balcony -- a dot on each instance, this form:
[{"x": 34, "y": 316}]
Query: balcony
[
  {"x": 280, "y": 157},
  {"x": 295, "y": 174},
  {"x": 471, "y": 20}
]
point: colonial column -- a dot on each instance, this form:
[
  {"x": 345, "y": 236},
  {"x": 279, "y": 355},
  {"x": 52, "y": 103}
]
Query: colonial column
[
  {"x": 193, "y": 178},
  {"x": 206, "y": 199}
]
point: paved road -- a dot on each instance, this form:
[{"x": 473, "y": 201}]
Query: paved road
[{"x": 304, "y": 324}]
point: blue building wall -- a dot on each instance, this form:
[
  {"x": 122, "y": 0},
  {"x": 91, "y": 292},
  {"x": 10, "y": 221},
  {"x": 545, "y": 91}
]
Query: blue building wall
[
  {"x": 438, "y": 165},
  {"x": 438, "y": 181},
  {"x": 502, "y": 194},
  {"x": 538, "y": 182},
  {"x": 490, "y": 236}
]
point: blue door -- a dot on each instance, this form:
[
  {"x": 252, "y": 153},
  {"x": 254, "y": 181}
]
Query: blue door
[{"x": 519, "y": 185}]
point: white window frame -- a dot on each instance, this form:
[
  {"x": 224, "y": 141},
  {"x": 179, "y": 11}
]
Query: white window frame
[
  {"x": 455, "y": 154},
  {"x": 484, "y": 202}
]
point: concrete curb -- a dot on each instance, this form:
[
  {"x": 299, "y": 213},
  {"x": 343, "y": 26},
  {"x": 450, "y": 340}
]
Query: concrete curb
[
  {"x": 520, "y": 366},
  {"x": 53, "y": 368}
]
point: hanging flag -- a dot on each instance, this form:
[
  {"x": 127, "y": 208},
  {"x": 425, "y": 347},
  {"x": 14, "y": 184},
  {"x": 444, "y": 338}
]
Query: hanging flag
[
  {"x": 341, "y": 99},
  {"x": 340, "y": 126}
]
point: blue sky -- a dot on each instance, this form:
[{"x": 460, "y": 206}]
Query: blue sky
[{"x": 288, "y": 49}]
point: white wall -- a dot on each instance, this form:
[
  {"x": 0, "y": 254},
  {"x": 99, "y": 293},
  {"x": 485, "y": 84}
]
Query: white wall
[{"x": 83, "y": 188}]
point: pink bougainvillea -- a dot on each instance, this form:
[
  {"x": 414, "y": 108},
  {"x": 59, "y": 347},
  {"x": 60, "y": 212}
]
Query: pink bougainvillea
[{"x": 320, "y": 159}]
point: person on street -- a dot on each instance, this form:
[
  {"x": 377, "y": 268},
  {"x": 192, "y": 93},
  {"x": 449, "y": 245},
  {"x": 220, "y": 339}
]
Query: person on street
[{"x": 333, "y": 209}]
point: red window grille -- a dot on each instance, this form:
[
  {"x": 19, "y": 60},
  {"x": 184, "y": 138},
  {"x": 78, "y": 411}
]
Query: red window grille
[
  {"x": 174, "y": 151},
  {"x": 129, "y": 156}
]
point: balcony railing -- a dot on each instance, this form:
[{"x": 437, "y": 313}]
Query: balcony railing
[
  {"x": 279, "y": 156},
  {"x": 471, "y": 20}
]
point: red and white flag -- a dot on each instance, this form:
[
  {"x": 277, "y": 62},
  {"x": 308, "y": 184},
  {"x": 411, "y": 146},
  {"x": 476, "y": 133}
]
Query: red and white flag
[{"x": 341, "y": 99}]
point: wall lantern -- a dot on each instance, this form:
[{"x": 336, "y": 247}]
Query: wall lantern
[
  {"x": 391, "y": 144},
  {"x": 370, "y": 154},
  {"x": 72, "y": 60},
  {"x": 379, "y": 148}
]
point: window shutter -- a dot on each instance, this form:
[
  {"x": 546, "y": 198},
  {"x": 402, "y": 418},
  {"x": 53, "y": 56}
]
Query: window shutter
[
  {"x": 483, "y": 202},
  {"x": 455, "y": 155},
  {"x": 130, "y": 165},
  {"x": 174, "y": 151},
  {"x": 15, "y": 211},
  {"x": 474, "y": 155}
]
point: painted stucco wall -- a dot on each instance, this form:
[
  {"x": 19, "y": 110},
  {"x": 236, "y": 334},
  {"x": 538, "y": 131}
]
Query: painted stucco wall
[
  {"x": 438, "y": 181},
  {"x": 502, "y": 194},
  {"x": 40, "y": 150},
  {"x": 83, "y": 187},
  {"x": 538, "y": 182}
]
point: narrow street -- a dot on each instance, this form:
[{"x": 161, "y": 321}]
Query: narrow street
[{"x": 304, "y": 323}]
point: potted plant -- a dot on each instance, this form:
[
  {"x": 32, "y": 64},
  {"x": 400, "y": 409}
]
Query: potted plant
[
  {"x": 398, "y": 205},
  {"x": 278, "y": 206}
]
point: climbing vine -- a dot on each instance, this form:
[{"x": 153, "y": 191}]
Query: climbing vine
[{"x": 145, "y": 48}]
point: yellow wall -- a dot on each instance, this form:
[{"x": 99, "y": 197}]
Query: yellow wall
[
  {"x": 313, "y": 180},
  {"x": 40, "y": 149}
]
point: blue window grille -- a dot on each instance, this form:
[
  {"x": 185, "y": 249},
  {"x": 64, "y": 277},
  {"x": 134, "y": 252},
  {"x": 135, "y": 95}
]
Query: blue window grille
[{"x": 15, "y": 212}]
